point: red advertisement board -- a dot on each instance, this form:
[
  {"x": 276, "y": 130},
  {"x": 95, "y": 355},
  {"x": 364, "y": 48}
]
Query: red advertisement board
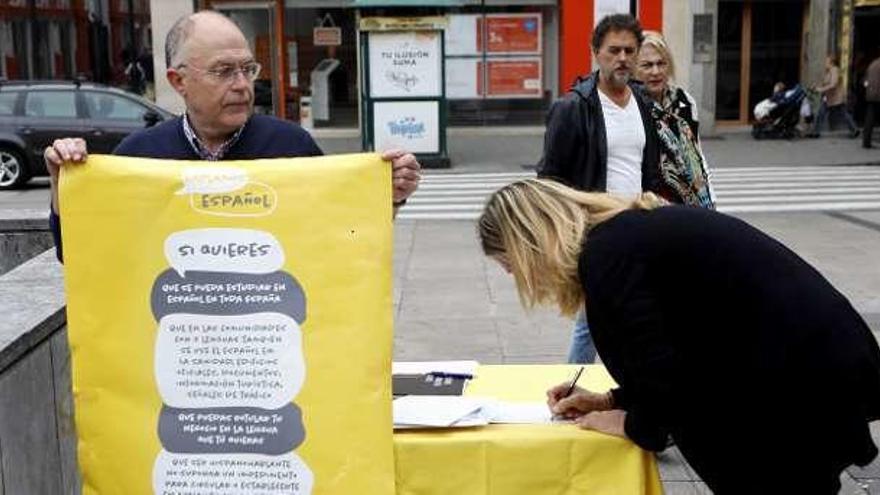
[
  {"x": 511, "y": 33},
  {"x": 512, "y": 78}
]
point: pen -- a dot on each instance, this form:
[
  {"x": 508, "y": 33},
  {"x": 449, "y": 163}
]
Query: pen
[
  {"x": 443, "y": 374},
  {"x": 573, "y": 382}
]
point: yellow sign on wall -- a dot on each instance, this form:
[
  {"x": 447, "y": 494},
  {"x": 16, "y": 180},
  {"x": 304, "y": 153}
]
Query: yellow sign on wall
[{"x": 230, "y": 324}]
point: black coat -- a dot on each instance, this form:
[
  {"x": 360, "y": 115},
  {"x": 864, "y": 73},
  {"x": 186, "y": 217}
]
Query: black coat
[
  {"x": 575, "y": 147},
  {"x": 723, "y": 338}
]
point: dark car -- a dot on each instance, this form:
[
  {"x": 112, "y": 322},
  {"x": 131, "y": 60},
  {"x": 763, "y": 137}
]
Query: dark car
[{"x": 35, "y": 113}]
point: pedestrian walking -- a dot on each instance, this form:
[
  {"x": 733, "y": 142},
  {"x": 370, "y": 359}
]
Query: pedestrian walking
[
  {"x": 770, "y": 376},
  {"x": 135, "y": 74},
  {"x": 683, "y": 168},
  {"x": 872, "y": 97},
  {"x": 833, "y": 101},
  {"x": 600, "y": 136}
]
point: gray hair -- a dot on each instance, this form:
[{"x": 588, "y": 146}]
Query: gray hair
[{"x": 181, "y": 31}]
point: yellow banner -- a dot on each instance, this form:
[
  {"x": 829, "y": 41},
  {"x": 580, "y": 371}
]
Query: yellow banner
[{"x": 230, "y": 325}]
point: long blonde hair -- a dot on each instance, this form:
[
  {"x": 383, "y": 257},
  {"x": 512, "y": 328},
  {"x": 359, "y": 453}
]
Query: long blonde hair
[{"x": 538, "y": 227}]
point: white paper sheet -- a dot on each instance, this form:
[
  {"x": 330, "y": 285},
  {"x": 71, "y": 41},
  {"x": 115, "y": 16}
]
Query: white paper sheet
[
  {"x": 497, "y": 411},
  {"x": 433, "y": 410}
]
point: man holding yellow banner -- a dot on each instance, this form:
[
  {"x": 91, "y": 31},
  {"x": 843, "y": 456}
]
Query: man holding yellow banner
[
  {"x": 214, "y": 314},
  {"x": 205, "y": 53},
  {"x": 208, "y": 304}
]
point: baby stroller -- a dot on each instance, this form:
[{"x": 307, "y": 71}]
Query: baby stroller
[{"x": 778, "y": 116}]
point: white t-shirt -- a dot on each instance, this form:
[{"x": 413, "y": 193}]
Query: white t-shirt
[{"x": 625, "y": 135}]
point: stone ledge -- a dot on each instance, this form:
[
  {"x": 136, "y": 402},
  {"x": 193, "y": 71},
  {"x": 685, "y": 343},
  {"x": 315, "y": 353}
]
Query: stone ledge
[{"x": 33, "y": 301}]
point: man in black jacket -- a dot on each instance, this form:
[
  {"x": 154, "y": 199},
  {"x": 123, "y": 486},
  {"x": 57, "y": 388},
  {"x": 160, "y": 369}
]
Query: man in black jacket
[
  {"x": 576, "y": 145},
  {"x": 600, "y": 136}
]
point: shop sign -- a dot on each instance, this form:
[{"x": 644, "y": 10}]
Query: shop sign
[
  {"x": 512, "y": 33},
  {"x": 405, "y": 64},
  {"x": 513, "y": 78},
  {"x": 327, "y": 36},
  {"x": 403, "y": 23},
  {"x": 410, "y": 125}
]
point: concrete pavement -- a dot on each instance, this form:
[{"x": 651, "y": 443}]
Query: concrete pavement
[{"x": 515, "y": 149}]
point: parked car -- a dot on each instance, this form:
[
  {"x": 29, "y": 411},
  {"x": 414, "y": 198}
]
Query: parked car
[{"x": 35, "y": 113}]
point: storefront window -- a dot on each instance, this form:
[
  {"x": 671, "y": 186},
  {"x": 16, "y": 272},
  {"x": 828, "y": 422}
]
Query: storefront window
[
  {"x": 321, "y": 49},
  {"x": 63, "y": 39},
  {"x": 257, "y": 21},
  {"x": 865, "y": 47},
  {"x": 495, "y": 66},
  {"x": 500, "y": 60},
  {"x": 12, "y": 49}
]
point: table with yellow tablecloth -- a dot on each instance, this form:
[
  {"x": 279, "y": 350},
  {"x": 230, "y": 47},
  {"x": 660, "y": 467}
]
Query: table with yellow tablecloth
[{"x": 558, "y": 459}]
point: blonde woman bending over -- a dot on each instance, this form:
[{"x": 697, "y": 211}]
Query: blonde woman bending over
[{"x": 717, "y": 334}]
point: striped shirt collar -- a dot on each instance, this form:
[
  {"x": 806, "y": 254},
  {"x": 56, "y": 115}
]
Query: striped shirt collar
[{"x": 202, "y": 150}]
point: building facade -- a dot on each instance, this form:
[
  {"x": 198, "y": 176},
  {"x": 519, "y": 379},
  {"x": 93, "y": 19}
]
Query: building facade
[
  {"x": 65, "y": 39},
  {"x": 505, "y": 60}
]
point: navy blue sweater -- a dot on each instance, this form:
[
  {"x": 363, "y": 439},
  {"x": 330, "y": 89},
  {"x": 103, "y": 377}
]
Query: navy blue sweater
[{"x": 262, "y": 137}]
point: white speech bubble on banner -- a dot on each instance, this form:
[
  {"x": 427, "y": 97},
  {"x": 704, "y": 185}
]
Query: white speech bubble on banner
[
  {"x": 232, "y": 474},
  {"x": 252, "y": 360},
  {"x": 202, "y": 180},
  {"x": 224, "y": 250}
]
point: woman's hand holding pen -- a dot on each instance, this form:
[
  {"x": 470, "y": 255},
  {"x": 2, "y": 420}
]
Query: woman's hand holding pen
[
  {"x": 589, "y": 410},
  {"x": 578, "y": 403}
]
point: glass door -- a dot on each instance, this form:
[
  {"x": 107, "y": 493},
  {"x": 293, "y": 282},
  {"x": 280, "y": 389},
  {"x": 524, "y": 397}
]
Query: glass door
[
  {"x": 865, "y": 47},
  {"x": 775, "y": 47},
  {"x": 257, "y": 22},
  {"x": 730, "y": 56},
  {"x": 759, "y": 44},
  {"x": 321, "y": 50}
]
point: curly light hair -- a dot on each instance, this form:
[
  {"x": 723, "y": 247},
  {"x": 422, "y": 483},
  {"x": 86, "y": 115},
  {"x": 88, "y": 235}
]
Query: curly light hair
[
  {"x": 656, "y": 41},
  {"x": 536, "y": 228}
]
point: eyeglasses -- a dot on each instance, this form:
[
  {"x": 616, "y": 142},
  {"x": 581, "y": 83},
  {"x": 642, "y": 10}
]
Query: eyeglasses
[{"x": 226, "y": 74}]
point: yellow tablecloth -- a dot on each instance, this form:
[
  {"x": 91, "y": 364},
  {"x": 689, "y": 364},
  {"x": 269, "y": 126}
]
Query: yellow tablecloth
[{"x": 558, "y": 459}]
